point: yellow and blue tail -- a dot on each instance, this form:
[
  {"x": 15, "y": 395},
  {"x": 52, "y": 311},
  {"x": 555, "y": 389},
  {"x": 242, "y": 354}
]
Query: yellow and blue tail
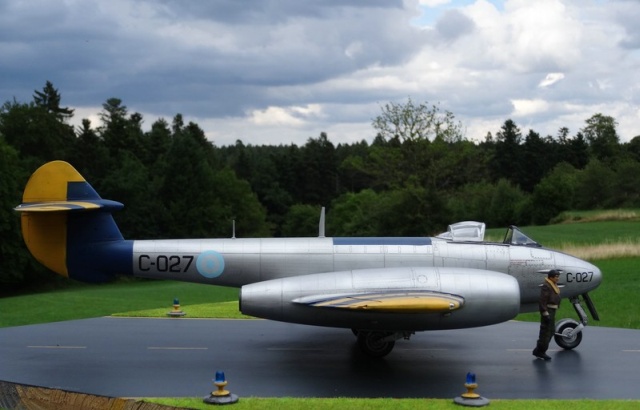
[{"x": 69, "y": 228}]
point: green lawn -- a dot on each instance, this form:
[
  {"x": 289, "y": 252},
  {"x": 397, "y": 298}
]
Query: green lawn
[
  {"x": 85, "y": 301},
  {"x": 581, "y": 233},
  {"x": 401, "y": 404}
]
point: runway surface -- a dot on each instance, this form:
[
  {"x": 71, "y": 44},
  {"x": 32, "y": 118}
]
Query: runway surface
[{"x": 123, "y": 357}]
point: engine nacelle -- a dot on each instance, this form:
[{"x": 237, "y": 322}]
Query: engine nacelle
[{"x": 399, "y": 299}]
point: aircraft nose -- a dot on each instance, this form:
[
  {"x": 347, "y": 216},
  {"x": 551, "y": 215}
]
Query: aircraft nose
[
  {"x": 580, "y": 276},
  {"x": 587, "y": 275},
  {"x": 597, "y": 276}
]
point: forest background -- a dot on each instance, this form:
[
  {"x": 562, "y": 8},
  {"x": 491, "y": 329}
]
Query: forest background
[{"x": 419, "y": 174}]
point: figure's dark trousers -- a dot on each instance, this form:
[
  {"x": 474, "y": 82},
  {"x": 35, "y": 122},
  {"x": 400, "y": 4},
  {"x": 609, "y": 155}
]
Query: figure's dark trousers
[{"x": 547, "y": 329}]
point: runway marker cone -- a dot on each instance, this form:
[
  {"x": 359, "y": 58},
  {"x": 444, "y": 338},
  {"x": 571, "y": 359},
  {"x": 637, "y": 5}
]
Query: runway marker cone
[
  {"x": 176, "y": 312},
  {"x": 220, "y": 396},
  {"x": 471, "y": 398}
]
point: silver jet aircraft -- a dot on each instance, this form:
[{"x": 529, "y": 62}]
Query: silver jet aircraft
[{"x": 383, "y": 289}]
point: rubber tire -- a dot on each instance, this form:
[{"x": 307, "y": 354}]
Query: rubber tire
[
  {"x": 369, "y": 343},
  {"x": 564, "y": 342}
]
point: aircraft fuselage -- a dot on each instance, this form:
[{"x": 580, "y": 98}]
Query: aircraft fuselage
[{"x": 238, "y": 262}]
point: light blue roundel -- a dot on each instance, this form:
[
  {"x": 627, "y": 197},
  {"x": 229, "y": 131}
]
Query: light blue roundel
[{"x": 210, "y": 264}]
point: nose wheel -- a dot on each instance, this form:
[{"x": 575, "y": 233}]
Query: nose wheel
[{"x": 568, "y": 334}]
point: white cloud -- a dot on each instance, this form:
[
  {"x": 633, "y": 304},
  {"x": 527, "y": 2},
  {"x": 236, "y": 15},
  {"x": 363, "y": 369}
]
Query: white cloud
[
  {"x": 285, "y": 116},
  {"x": 434, "y": 3},
  {"x": 522, "y": 108},
  {"x": 551, "y": 79},
  {"x": 275, "y": 116}
]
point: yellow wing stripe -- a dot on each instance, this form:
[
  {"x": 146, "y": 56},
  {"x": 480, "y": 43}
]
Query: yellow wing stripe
[{"x": 392, "y": 302}]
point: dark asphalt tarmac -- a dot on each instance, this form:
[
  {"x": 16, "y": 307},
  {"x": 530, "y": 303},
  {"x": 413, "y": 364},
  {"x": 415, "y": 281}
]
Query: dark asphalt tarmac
[{"x": 179, "y": 357}]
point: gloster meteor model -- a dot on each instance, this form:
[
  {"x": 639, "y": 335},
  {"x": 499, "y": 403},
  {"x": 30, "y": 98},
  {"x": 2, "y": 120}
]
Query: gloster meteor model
[{"x": 383, "y": 289}]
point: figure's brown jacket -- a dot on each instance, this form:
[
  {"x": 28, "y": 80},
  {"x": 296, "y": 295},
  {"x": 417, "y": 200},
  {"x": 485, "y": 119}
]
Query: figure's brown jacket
[{"x": 548, "y": 296}]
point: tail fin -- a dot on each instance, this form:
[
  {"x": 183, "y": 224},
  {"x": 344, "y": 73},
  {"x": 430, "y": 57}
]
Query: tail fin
[{"x": 67, "y": 226}]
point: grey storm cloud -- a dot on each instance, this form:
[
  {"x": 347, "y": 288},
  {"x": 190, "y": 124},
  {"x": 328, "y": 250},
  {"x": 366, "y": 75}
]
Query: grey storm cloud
[
  {"x": 276, "y": 71},
  {"x": 454, "y": 24},
  {"x": 216, "y": 57}
]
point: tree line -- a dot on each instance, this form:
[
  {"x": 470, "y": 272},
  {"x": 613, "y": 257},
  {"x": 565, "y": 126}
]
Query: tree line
[{"x": 418, "y": 174}]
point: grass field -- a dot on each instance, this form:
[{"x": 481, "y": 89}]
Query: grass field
[
  {"x": 402, "y": 404},
  {"x": 616, "y": 299},
  {"x": 579, "y": 234},
  {"x": 84, "y": 301}
]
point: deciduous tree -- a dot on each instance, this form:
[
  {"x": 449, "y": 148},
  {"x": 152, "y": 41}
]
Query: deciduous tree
[{"x": 600, "y": 132}]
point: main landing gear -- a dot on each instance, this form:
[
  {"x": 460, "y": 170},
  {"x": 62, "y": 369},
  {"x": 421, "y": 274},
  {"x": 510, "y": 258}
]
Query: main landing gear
[
  {"x": 568, "y": 333},
  {"x": 375, "y": 343}
]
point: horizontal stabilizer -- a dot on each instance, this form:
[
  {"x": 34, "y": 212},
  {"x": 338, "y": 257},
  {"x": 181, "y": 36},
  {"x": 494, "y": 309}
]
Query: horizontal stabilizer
[
  {"x": 394, "y": 301},
  {"x": 58, "y": 187},
  {"x": 68, "y": 206}
]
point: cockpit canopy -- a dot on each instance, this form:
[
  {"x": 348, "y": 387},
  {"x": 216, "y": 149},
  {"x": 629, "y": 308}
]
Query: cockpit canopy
[
  {"x": 467, "y": 231},
  {"x": 472, "y": 231},
  {"x": 514, "y": 236}
]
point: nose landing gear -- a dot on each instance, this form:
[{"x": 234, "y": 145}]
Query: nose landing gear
[{"x": 568, "y": 332}]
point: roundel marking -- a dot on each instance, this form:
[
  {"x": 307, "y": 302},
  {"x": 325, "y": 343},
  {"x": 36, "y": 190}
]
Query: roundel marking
[{"x": 210, "y": 264}]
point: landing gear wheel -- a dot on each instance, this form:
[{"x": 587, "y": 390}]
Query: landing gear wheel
[
  {"x": 374, "y": 344},
  {"x": 565, "y": 337}
]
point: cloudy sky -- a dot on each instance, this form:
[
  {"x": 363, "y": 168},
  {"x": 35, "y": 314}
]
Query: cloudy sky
[{"x": 282, "y": 71}]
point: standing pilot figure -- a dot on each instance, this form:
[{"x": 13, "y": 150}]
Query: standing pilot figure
[{"x": 549, "y": 303}]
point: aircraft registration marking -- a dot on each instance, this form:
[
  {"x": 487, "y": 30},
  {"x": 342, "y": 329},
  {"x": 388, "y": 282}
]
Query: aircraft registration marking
[
  {"x": 165, "y": 263},
  {"x": 209, "y": 264},
  {"x": 579, "y": 277}
]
